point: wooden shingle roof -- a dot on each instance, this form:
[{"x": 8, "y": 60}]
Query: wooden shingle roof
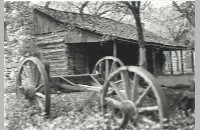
[{"x": 102, "y": 25}]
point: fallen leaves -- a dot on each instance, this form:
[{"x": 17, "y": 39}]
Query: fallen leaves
[{"x": 76, "y": 111}]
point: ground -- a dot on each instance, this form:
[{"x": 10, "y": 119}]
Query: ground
[{"x": 74, "y": 111}]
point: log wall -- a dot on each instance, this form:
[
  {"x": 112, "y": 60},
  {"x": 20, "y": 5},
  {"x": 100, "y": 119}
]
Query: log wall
[
  {"x": 63, "y": 58},
  {"x": 53, "y": 52}
]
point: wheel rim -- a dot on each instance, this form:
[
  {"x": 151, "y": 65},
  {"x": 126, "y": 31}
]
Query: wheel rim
[
  {"x": 138, "y": 86},
  {"x": 33, "y": 83},
  {"x": 107, "y": 65}
]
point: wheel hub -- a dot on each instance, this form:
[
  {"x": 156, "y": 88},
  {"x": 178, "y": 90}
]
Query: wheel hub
[
  {"x": 29, "y": 91},
  {"x": 125, "y": 111}
]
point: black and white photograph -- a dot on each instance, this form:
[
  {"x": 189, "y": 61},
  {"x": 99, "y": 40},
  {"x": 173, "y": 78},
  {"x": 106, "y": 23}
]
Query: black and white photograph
[{"x": 99, "y": 65}]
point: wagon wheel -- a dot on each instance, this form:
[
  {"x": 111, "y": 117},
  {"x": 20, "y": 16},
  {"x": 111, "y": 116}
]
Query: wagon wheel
[
  {"x": 107, "y": 65},
  {"x": 138, "y": 97},
  {"x": 33, "y": 83}
]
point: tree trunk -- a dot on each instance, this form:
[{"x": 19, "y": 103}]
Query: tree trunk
[
  {"x": 142, "y": 48},
  {"x": 134, "y": 6}
]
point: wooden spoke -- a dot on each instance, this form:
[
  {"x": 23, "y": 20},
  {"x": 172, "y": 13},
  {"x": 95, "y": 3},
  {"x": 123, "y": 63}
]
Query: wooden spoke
[
  {"x": 141, "y": 98},
  {"x": 121, "y": 95},
  {"x": 26, "y": 72},
  {"x": 32, "y": 72},
  {"x": 27, "y": 81},
  {"x": 118, "y": 81},
  {"x": 100, "y": 67},
  {"x": 95, "y": 80},
  {"x": 37, "y": 79},
  {"x": 107, "y": 68},
  {"x": 113, "y": 66},
  {"x": 135, "y": 87},
  {"x": 39, "y": 87},
  {"x": 40, "y": 103},
  {"x": 151, "y": 108},
  {"x": 126, "y": 83},
  {"x": 111, "y": 100},
  {"x": 40, "y": 95}
]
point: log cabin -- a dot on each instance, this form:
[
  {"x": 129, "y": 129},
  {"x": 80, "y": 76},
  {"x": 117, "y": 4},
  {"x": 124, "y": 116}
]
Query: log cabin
[{"x": 72, "y": 43}]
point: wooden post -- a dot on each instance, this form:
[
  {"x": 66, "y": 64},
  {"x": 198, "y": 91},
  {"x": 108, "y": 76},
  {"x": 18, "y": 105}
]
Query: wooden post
[
  {"x": 192, "y": 60},
  {"x": 171, "y": 62},
  {"x": 154, "y": 61},
  {"x": 47, "y": 68},
  {"x": 182, "y": 66},
  {"x": 114, "y": 49}
]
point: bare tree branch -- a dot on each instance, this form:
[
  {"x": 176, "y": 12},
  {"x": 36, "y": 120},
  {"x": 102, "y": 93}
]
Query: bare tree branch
[
  {"x": 127, "y": 4},
  {"x": 186, "y": 12},
  {"x": 146, "y": 4},
  {"x": 83, "y": 6}
]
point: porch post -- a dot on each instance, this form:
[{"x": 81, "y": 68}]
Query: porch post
[
  {"x": 171, "y": 62},
  {"x": 192, "y": 60},
  {"x": 114, "y": 49},
  {"x": 154, "y": 61},
  {"x": 182, "y": 66}
]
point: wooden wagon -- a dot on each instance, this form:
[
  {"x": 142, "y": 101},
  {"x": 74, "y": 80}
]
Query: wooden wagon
[
  {"x": 117, "y": 88},
  {"x": 126, "y": 92}
]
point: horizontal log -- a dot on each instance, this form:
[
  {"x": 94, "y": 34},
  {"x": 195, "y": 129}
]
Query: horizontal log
[
  {"x": 61, "y": 55},
  {"x": 58, "y": 66},
  {"x": 44, "y": 43},
  {"x": 54, "y": 61},
  {"x": 53, "y": 50},
  {"x": 50, "y": 35},
  {"x": 60, "y": 46}
]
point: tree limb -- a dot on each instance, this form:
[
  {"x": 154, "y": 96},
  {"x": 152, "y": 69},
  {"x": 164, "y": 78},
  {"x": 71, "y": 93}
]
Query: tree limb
[
  {"x": 83, "y": 6},
  {"x": 127, "y": 4},
  {"x": 177, "y": 7}
]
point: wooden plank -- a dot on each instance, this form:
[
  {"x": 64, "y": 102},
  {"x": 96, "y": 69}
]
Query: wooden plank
[
  {"x": 78, "y": 75},
  {"x": 98, "y": 89},
  {"x": 69, "y": 82},
  {"x": 70, "y": 89},
  {"x": 182, "y": 65},
  {"x": 171, "y": 62},
  {"x": 95, "y": 79}
]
